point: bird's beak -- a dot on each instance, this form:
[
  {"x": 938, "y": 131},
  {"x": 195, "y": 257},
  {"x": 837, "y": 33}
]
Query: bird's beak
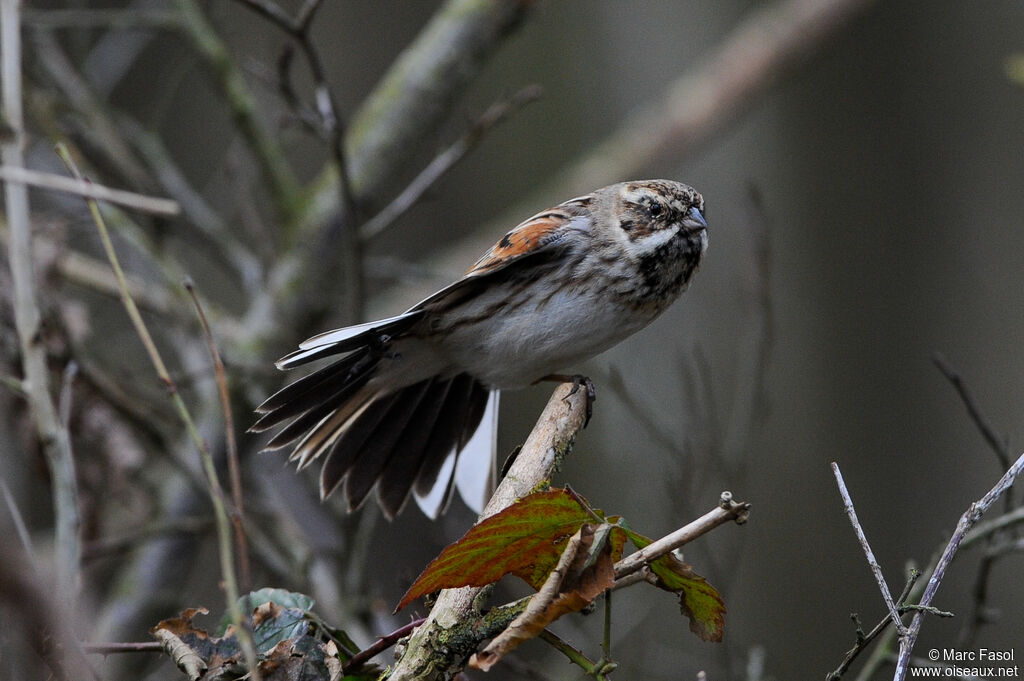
[{"x": 694, "y": 222}]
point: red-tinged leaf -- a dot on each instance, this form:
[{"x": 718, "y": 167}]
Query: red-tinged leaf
[
  {"x": 584, "y": 571},
  {"x": 698, "y": 600},
  {"x": 526, "y": 539}
]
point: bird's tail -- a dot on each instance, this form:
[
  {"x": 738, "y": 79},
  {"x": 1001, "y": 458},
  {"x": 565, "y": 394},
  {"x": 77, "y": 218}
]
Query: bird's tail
[{"x": 405, "y": 440}]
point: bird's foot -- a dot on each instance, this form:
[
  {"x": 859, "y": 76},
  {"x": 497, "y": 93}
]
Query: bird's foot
[{"x": 577, "y": 381}]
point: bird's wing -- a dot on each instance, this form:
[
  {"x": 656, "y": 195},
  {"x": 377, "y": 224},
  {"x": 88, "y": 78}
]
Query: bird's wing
[{"x": 543, "y": 236}]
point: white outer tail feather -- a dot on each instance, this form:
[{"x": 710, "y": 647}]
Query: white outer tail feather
[{"x": 475, "y": 473}]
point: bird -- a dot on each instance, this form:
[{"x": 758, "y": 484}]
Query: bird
[{"x": 408, "y": 397}]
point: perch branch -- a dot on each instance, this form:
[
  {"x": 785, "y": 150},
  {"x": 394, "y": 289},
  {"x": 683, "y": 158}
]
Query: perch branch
[{"x": 425, "y": 657}]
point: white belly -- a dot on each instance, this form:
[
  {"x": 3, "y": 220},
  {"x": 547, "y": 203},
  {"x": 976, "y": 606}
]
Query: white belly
[{"x": 515, "y": 347}]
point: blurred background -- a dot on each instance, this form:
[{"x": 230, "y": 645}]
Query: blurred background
[{"x": 862, "y": 168}]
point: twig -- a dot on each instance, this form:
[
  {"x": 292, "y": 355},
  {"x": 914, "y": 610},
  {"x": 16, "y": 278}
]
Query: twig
[
  {"x": 998, "y": 444},
  {"x": 577, "y": 657},
  {"x": 81, "y": 18},
  {"x": 234, "y": 469},
  {"x": 412, "y": 100},
  {"x": 727, "y": 510},
  {"x": 445, "y": 161},
  {"x": 55, "y": 439},
  {"x": 332, "y": 128},
  {"x": 140, "y": 202},
  {"x": 864, "y": 640},
  {"x": 107, "y": 546},
  {"x": 986, "y": 529},
  {"x": 100, "y": 648},
  {"x": 215, "y": 491},
  {"x": 66, "y": 392},
  {"x": 17, "y": 519},
  {"x": 967, "y": 520},
  {"x": 876, "y": 569},
  {"x": 268, "y": 153},
  {"x": 548, "y": 442},
  {"x": 996, "y": 441},
  {"x": 981, "y": 532},
  {"x": 380, "y": 645}
]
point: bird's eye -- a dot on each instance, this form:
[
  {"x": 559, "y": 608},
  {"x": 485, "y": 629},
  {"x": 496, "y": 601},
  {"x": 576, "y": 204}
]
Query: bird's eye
[{"x": 655, "y": 210}]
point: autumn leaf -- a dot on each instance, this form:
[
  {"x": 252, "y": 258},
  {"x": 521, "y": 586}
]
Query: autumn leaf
[
  {"x": 698, "y": 600},
  {"x": 525, "y": 539},
  {"x": 584, "y": 571}
]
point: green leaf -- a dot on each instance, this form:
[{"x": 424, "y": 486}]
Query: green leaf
[
  {"x": 698, "y": 600},
  {"x": 272, "y": 624},
  {"x": 254, "y": 599},
  {"x": 283, "y": 597},
  {"x": 525, "y": 539}
]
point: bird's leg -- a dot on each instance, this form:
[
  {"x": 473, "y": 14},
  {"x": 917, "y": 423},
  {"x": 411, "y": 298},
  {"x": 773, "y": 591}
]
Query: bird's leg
[{"x": 577, "y": 381}]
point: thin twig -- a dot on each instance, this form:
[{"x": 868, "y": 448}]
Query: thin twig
[
  {"x": 60, "y": 183},
  {"x": 18, "y": 520},
  {"x": 267, "y": 151},
  {"x": 726, "y": 511},
  {"x": 876, "y": 569},
  {"x": 214, "y": 487},
  {"x": 100, "y": 648},
  {"x": 996, "y": 441},
  {"x": 380, "y": 645},
  {"x": 864, "y": 640},
  {"x": 980, "y": 533},
  {"x": 66, "y": 393},
  {"x": 231, "y": 443},
  {"x": 967, "y": 521},
  {"x": 332, "y": 128},
  {"x": 83, "y": 18},
  {"x": 445, "y": 161},
  {"x": 577, "y": 657}
]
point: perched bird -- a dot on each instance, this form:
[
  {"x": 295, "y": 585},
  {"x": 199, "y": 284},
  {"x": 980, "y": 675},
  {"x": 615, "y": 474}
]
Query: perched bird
[{"x": 408, "y": 396}]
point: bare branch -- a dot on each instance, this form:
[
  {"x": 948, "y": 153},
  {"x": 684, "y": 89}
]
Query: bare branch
[
  {"x": 140, "y": 202},
  {"x": 265, "y": 148},
  {"x": 967, "y": 521},
  {"x": 726, "y": 511},
  {"x": 996, "y": 441},
  {"x": 414, "y": 97},
  {"x": 876, "y": 569},
  {"x": 445, "y": 161},
  {"x": 234, "y": 469}
]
